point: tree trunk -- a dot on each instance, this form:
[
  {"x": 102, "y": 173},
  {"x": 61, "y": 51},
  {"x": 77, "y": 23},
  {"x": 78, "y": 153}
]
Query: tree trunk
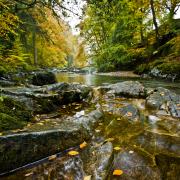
[
  {"x": 154, "y": 20},
  {"x": 34, "y": 47}
]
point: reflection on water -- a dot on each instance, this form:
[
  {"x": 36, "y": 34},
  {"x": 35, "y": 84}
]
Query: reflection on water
[{"x": 97, "y": 80}]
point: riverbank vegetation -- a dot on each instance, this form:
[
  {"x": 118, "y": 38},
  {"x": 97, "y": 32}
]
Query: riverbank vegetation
[
  {"x": 133, "y": 35},
  {"x": 33, "y": 34}
]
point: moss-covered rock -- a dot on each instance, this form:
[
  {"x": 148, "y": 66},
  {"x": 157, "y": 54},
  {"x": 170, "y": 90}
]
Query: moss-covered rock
[{"x": 13, "y": 114}]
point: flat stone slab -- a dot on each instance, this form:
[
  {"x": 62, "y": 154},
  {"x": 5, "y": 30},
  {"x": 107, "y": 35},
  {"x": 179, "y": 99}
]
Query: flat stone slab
[{"x": 19, "y": 149}]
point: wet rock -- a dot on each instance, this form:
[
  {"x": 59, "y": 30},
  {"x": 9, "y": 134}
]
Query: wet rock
[
  {"x": 13, "y": 114},
  {"x": 6, "y": 83},
  {"x": 155, "y": 72},
  {"x": 19, "y": 149},
  {"x": 97, "y": 160},
  {"x": 90, "y": 120},
  {"x": 104, "y": 155},
  {"x": 130, "y": 111},
  {"x": 169, "y": 166},
  {"x": 43, "y": 78},
  {"x": 165, "y": 100},
  {"x": 134, "y": 166},
  {"x": 128, "y": 89},
  {"x": 47, "y": 98}
]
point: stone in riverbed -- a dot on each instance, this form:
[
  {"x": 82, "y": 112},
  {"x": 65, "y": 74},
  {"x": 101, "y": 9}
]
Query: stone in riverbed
[
  {"x": 19, "y": 149},
  {"x": 128, "y": 89},
  {"x": 135, "y": 166},
  {"x": 47, "y": 98},
  {"x": 164, "y": 100},
  {"x": 97, "y": 160},
  {"x": 43, "y": 78}
]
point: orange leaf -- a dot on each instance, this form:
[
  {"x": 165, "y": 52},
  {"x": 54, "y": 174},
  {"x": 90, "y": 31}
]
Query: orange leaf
[
  {"x": 117, "y": 172},
  {"x": 83, "y": 145},
  {"x": 129, "y": 114}
]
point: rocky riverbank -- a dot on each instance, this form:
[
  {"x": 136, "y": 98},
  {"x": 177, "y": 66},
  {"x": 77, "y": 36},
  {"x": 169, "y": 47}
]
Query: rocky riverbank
[{"x": 126, "y": 127}]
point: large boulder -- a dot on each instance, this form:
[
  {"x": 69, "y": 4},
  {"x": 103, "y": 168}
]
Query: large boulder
[
  {"x": 128, "y": 89},
  {"x": 19, "y": 149},
  {"x": 43, "y": 78},
  {"x": 42, "y": 140}
]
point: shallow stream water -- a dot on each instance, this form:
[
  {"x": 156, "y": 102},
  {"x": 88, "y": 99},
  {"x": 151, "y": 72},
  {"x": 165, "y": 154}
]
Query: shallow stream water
[
  {"x": 147, "y": 146},
  {"x": 98, "y": 80}
]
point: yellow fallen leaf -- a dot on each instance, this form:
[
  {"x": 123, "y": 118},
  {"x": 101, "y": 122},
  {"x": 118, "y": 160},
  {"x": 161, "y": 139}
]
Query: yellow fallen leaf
[
  {"x": 109, "y": 139},
  {"x": 41, "y": 124},
  {"x": 87, "y": 177},
  {"x": 117, "y": 148},
  {"x": 97, "y": 130},
  {"x": 50, "y": 158},
  {"x": 117, "y": 172},
  {"x": 100, "y": 124},
  {"x": 28, "y": 125},
  {"x": 1, "y": 134},
  {"x": 28, "y": 174},
  {"x": 118, "y": 119},
  {"x": 73, "y": 153},
  {"x": 83, "y": 145}
]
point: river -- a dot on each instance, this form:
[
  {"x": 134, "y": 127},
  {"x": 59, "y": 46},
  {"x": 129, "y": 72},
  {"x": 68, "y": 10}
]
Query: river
[{"x": 98, "y": 80}]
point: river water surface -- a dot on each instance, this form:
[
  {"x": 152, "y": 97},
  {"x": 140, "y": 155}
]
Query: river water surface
[{"x": 98, "y": 80}]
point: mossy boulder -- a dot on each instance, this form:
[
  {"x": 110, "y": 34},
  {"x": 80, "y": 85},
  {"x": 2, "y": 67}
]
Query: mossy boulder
[
  {"x": 13, "y": 114},
  {"x": 44, "y": 78}
]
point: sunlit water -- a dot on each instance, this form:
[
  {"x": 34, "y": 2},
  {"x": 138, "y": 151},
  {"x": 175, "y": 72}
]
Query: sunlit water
[{"x": 97, "y": 80}]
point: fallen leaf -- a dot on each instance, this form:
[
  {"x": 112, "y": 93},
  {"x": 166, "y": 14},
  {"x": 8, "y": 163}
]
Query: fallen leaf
[
  {"x": 117, "y": 172},
  {"x": 162, "y": 94},
  {"x": 97, "y": 130},
  {"x": 87, "y": 177},
  {"x": 73, "y": 153},
  {"x": 83, "y": 145},
  {"x": 118, "y": 119},
  {"x": 109, "y": 139},
  {"x": 117, "y": 148},
  {"x": 28, "y": 125},
  {"x": 1, "y": 134},
  {"x": 131, "y": 152},
  {"x": 50, "y": 158},
  {"x": 100, "y": 124},
  {"x": 129, "y": 114},
  {"x": 41, "y": 124},
  {"x": 28, "y": 174}
]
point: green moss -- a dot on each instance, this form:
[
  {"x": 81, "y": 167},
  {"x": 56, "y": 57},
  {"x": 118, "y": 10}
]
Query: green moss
[
  {"x": 13, "y": 114},
  {"x": 8, "y": 122}
]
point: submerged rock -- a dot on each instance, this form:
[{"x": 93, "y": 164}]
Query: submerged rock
[{"x": 135, "y": 166}]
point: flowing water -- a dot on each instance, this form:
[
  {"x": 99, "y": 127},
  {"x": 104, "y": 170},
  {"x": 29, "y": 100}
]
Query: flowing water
[
  {"x": 147, "y": 148},
  {"x": 97, "y": 80}
]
